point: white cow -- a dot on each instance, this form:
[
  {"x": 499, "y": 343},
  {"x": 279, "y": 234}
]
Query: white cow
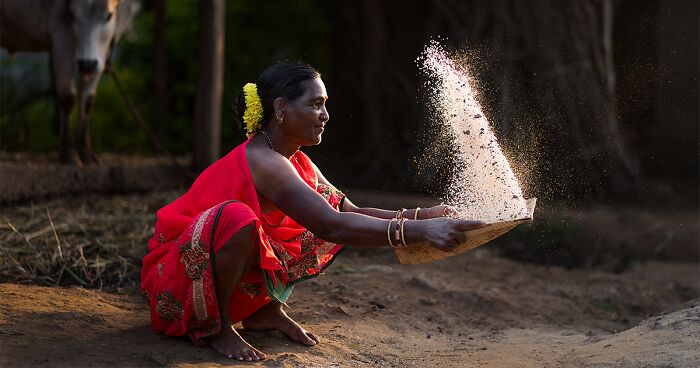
[{"x": 80, "y": 36}]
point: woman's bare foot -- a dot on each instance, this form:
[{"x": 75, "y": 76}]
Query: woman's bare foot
[
  {"x": 231, "y": 345},
  {"x": 272, "y": 317}
]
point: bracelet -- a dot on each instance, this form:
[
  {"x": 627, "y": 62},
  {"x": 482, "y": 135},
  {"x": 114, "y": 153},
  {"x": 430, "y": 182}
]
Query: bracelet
[
  {"x": 399, "y": 213},
  {"x": 415, "y": 216},
  {"x": 403, "y": 240},
  {"x": 388, "y": 232}
]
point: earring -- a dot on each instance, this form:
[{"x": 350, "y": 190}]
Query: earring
[{"x": 280, "y": 118}]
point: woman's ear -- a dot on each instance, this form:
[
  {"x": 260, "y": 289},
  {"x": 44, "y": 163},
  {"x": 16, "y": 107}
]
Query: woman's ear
[{"x": 279, "y": 104}]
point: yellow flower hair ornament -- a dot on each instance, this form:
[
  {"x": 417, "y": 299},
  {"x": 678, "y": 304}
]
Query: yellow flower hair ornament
[{"x": 252, "y": 116}]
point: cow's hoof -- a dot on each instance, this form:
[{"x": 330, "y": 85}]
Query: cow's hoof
[{"x": 70, "y": 158}]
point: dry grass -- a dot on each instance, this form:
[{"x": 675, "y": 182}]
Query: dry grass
[{"x": 93, "y": 241}]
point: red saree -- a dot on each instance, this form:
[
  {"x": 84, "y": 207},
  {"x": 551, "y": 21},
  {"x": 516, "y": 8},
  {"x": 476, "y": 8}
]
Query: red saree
[{"x": 177, "y": 279}]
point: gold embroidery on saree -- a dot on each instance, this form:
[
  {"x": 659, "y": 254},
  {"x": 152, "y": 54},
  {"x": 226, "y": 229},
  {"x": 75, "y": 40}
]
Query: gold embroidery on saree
[{"x": 168, "y": 308}]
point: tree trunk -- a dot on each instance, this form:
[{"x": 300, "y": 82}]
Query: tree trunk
[
  {"x": 160, "y": 73},
  {"x": 210, "y": 76}
]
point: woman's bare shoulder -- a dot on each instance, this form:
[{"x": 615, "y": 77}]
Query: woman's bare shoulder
[
  {"x": 254, "y": 153},
  {"x": 267, "y": 163}
]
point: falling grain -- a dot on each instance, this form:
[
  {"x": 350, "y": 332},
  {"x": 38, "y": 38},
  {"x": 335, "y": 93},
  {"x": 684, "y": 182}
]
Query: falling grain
[{"x": 483, "y": 185}]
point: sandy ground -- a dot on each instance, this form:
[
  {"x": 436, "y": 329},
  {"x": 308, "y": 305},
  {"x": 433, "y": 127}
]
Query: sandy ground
[
  {"x": 632, "y": 299},
  {"x": 475, "y": 310}
]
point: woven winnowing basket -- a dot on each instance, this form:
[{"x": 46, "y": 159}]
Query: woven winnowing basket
[{"x": 421, "y": 253}]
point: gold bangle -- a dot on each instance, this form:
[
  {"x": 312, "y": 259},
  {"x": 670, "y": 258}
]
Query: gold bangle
[
  {"x": 403, "y": 240},
  {"x": 415, "y": 216},
  {"x": 388, "y": 232}
]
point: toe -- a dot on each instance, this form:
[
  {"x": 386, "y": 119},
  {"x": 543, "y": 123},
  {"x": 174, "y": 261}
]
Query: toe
[
  {"x": 253, "y": 355},
  {"x": 305, "y": 339},
  {"x": 313, "y": 337},
  {"x": 246, "y": 356}
]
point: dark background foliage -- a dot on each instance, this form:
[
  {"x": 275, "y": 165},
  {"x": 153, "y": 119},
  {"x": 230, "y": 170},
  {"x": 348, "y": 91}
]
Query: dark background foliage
[{"x": 579, "y": 118}]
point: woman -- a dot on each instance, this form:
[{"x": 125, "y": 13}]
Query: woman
[{"x": 263, "y": 218}]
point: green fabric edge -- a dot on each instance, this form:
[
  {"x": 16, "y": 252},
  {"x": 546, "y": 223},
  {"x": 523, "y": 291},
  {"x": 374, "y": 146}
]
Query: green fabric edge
[{"x": 282, "y": 292}]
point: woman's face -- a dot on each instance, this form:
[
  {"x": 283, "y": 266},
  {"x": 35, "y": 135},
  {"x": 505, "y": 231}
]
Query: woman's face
[{"x": 306, "y": 117}]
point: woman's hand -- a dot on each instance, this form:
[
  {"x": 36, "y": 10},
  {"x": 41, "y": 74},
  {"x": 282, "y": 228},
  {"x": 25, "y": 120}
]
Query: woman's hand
[
  {"x": 445, "y": 233},
  {"x": 442, "y": 210}
]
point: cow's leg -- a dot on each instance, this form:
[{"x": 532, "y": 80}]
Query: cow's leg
[
  {"x": 64, "y": 94},
  {"x": 87, "y": 96}
]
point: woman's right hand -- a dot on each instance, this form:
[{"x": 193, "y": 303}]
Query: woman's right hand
[{"x": 446, "y": 233}]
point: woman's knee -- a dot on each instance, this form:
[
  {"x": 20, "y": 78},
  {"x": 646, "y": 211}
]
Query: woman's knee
[
  {"x": 235, "y": 213},
  {"x": 236, "y": 223}
]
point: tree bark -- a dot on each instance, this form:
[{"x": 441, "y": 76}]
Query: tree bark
[{"x": 210, "y": 76}]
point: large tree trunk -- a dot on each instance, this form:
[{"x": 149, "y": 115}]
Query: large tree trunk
[
  {"x": 210, "y": 76},
  {"x": 160, "y": 73}
]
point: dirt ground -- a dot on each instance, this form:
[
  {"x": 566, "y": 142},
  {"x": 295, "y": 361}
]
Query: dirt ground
[
  {"x": 478, "y": 309},
  {"x": 470, "y": 311}
]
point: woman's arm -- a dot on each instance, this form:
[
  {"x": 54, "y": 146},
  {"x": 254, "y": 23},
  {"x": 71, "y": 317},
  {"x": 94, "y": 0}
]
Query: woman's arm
[{"x": 276, "y": 179}]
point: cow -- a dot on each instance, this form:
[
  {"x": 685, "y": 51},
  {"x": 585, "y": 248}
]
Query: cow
[{"x": 79, "y": 36}]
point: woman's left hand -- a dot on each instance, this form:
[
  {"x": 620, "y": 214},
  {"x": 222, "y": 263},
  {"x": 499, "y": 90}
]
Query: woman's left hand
[{"x": 442, "y": 210}]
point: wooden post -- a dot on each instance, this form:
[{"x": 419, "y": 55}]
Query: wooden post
[{"x": 210, "y": 78}]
